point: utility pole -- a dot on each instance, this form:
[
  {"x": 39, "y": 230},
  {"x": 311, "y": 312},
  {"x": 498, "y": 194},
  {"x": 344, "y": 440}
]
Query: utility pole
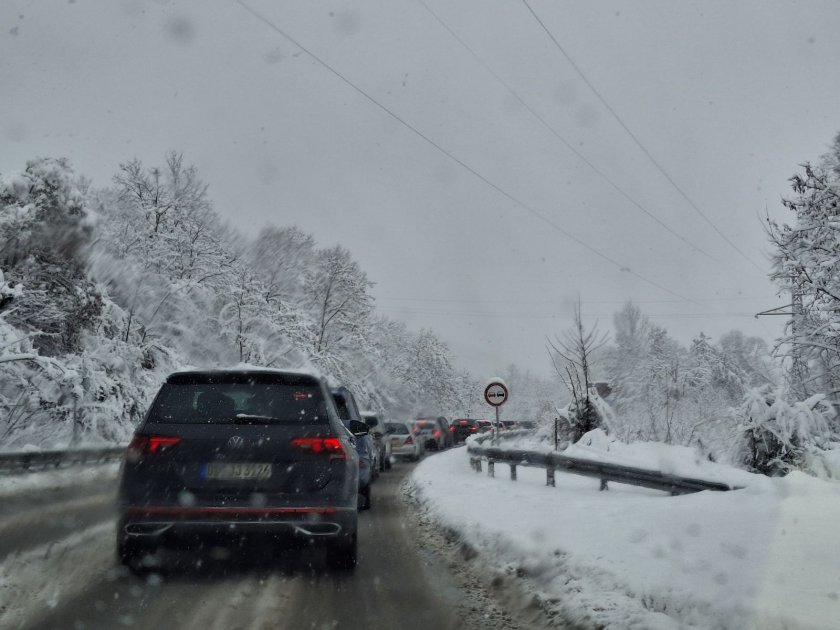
[{"x": 799, "y": 365}]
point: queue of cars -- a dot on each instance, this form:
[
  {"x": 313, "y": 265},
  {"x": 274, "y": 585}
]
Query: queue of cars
[
  {"x": 462, "y": 428},
  {"x": 260, "y": 452},
  {"x": 241, "y": 453}
]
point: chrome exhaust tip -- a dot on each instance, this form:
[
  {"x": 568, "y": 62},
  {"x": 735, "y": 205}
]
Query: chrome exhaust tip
[
  {"x": 318, "y": 529},
  {"x": 146, "y": 529}
]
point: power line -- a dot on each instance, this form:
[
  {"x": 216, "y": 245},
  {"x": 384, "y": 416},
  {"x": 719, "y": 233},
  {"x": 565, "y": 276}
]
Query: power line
[
  {"x": 557, "y": 135},
  {"x": 550, "y": 302},
  {"x": 457, "y": 160},
  {"x": 638, "y": 142},
  {"x": 531, "y": 315}
]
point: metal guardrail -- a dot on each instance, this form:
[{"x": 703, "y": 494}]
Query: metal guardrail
[
  {"x": 41, "y": 460},
  {"x": 554, "y": 461}
]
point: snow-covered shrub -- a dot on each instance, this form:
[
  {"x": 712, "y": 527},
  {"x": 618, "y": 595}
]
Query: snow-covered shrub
[
  {"x": 583, "y": 415},
  {"x": 97, "y": 393},
  {"x": 775, "y": 436}
]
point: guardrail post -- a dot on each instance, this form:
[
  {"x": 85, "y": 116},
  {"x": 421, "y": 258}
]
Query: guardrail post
[
  {"x": 513, "y": 472},
  {"x": 549, "y": 477},
  {"x": 478, "y": 464},
  {"x": 490, "y": 467},
  {"x": 603, "y": 485}
]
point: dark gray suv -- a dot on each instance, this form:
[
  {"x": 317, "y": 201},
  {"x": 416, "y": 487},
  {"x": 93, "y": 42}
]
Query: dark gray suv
[{"x": 235, "y": 453}]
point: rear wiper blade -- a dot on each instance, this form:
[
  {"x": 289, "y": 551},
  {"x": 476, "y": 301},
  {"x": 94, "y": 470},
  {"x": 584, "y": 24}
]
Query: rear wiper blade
[{"x": 251, "y": 416}]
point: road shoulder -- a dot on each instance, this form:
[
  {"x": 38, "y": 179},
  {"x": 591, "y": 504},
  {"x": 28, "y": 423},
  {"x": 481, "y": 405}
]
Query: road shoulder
[{"x": 483, "y": 595}]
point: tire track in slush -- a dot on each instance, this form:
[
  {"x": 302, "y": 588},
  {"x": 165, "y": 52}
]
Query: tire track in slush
[{"x": 30, "y": 527}]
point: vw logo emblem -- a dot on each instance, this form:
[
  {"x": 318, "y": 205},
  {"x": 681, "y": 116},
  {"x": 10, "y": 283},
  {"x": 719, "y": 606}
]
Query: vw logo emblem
[{"x": 236, "y": 441}]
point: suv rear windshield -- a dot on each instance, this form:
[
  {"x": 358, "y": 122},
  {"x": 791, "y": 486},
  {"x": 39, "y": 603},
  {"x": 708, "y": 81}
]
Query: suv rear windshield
[
  {"x": 236, "y": 402},
  {"x": 395, "y": 428}
]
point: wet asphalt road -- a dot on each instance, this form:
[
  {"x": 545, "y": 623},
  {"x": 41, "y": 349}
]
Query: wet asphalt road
[{"x": 396, "y": 584}]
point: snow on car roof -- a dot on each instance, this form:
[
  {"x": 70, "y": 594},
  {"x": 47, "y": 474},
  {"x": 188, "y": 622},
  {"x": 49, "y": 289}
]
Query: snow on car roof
[{"x": 242, "y": 369}]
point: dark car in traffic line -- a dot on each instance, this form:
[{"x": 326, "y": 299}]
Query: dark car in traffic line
[
  {"x": 348, "y": 412},
  {"x": 225, "y": 455},
  {"x": 434, "y": 432},
  {"x": 427, "y": 430},
  {"x": 462, "y": 428}
]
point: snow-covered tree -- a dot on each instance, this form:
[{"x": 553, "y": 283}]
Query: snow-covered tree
[
  {"x": 664, "y": 392},
  {"x": 775, "y": 436},
  {"x": 572, "y": 354},
  {"x": 164, "y": 254},
  {"x": 752, "y": 357},
  {"x": 806, "y": 260},
  {"x": 281, "y": 258},
  {"x": 45, "y": 230},
  {"x": 337, "y": 293}
]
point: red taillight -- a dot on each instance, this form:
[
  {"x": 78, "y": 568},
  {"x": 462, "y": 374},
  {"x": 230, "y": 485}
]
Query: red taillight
[
  {"x": 321, "y": 446},
  {"x": 436, "y": 433},
  {"x": 409, "y": 440},
  {"x": 452, "y": 428},
  {"x": 473, "y": 429},
  {"x": 140, "y": 446}
]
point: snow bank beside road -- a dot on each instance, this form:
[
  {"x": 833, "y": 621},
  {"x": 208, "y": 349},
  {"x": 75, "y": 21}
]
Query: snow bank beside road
[
  {"x": 762, "y": 557},
  {"x": 23, "y": 483}
]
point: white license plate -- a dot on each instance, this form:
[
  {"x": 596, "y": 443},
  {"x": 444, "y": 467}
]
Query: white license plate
[{"x": 238, "y": 471}]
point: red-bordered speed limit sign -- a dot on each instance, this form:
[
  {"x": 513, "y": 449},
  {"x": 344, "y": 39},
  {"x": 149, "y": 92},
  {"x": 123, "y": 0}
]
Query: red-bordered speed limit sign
[{"x": 496, "y": 394}]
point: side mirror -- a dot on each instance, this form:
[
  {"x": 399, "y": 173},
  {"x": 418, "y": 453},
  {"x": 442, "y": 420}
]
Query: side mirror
[{"x": 358, "y": 428}]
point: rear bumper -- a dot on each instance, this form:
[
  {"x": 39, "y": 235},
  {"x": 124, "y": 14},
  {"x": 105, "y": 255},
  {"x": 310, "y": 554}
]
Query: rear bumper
[{"x": 159, "y": 525}]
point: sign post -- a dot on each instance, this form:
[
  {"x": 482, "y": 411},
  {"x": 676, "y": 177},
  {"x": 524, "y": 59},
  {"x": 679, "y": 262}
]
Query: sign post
[{"x": 496, "y": 395}]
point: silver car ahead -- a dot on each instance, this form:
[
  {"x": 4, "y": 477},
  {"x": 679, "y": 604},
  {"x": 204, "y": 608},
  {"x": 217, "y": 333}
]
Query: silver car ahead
[{"x": 403, "y": 441}]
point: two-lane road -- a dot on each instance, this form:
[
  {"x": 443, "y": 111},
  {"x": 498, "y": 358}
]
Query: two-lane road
[{"x": 396, "y": 585}]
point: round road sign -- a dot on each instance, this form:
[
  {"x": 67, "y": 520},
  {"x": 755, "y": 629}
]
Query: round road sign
[{"x": 496, "y": 394}]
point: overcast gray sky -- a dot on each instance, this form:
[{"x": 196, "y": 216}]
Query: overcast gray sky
[{"x": 491, "y": 252}]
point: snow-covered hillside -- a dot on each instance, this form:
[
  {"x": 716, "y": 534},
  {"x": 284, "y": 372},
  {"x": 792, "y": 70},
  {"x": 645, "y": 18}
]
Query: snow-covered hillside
[{"x": 104, "y": 292}]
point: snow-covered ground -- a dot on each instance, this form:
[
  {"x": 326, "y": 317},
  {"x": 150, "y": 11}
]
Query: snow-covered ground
[{"x": 766, "y": 556}]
